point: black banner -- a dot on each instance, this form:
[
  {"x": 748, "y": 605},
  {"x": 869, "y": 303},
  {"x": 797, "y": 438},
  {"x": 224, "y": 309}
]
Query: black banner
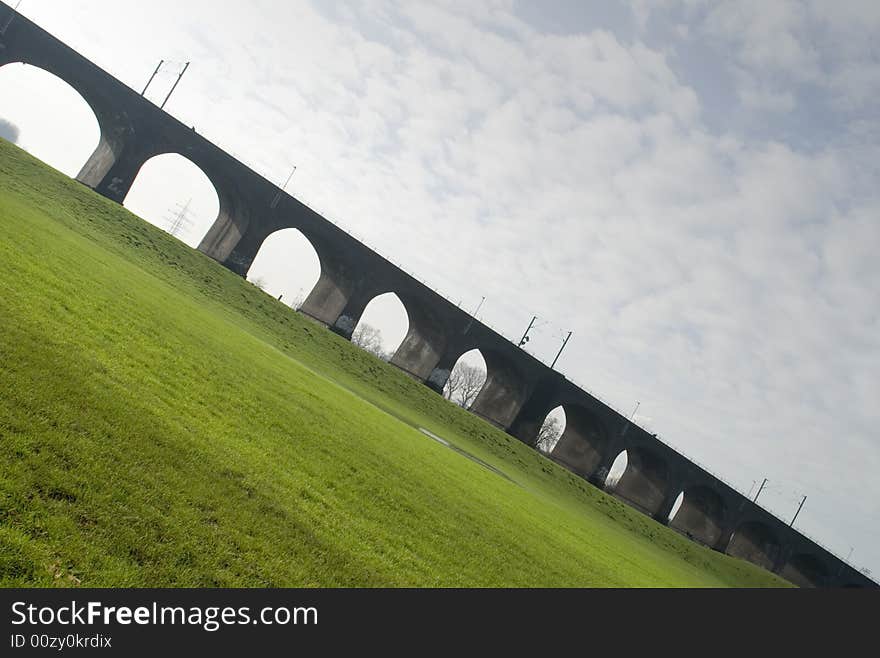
[{"x": 207, "y": 621}]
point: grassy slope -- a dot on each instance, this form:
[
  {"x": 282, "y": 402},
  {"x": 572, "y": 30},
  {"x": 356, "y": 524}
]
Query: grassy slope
[{"x": 165, "y": 423}]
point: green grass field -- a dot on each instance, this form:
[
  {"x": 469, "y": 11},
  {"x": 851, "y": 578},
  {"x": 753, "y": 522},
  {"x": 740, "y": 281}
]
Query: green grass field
[{"x": 165, "y": 423}]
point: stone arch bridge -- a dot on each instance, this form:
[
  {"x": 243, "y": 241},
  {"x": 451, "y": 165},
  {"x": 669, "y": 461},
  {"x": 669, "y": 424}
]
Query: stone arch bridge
[{"x": 519, "y": 391}]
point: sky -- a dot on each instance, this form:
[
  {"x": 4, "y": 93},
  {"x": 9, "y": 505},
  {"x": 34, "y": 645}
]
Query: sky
[{"x": 692, "y": 188}]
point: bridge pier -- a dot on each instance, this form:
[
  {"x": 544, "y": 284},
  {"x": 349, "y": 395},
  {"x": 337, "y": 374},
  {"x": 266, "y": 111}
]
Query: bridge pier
[
  {"x": 724, "y": 538},
  {"x": 351, "y": 313},
  {"x": 598, "y": 476},
  {"x": 580, "y": 456},
  {"x": 439, "y": 375},
  {"x": 584, "y": 446},
  {"x": 231, "y": 240},
  {"x": 504, "y": 393},
  {"x": 665, "y": 508},
  {"x": 111, "y": 169},
  {"x": 704, "y": 514},
  {"x": 804, "y": 570},
  {"x": 424, "y": 343},
  {"x": 327, "y": 299},
  {"x": 754, "y": 541},
  {"x": 531, "y": 417},
  {"x": 645, "y": 482}
]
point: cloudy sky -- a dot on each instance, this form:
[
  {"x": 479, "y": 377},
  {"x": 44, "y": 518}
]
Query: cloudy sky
[{"x": 691, "y": 187}]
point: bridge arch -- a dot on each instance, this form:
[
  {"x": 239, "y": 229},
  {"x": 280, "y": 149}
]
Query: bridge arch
[
  {"x": 382, "y": 325},
  {"x": 701, "y": 514},
  {"x": 170, "y": 188},
  {"x": 644, "y": 481},
  {"x": 33, "y": 100},
  {"x": 755, "y": 542},
  {"x": 805, "y": 570},
  {"x": 466, "y": 378},
  {"x": 552, "y": 429},
  {"x": 286, "y": 264},
  {"x": 584, "y": 443},
  {"x": 615, "y": 471},
  {"x": 89, "y": 83}
]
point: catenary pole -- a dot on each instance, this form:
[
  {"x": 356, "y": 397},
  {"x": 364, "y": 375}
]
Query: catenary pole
[
  {"x": 150, "y": 81},
  {"x": 176, "y": 82}
]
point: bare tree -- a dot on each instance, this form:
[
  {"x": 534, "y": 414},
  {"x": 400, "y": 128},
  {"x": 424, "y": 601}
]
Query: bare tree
[
  {"x": 464, "y": 384},
  {"x": 259, "y": 282},
  {"x": 453, "y": 384},
  {"x": 472, "y": 383},
  {"x": 549, "y": 434},
  {"x": 297, "y": 302},
  {"x": 368, "y": 338}
]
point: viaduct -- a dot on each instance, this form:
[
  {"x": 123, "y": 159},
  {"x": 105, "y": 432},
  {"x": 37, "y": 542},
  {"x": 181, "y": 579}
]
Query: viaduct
[{"x": 519, "y": 391}]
